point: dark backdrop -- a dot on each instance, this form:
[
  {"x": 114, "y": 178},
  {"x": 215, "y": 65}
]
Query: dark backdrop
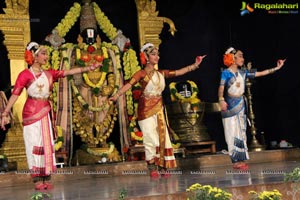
[{"x": 206, "y": 27}]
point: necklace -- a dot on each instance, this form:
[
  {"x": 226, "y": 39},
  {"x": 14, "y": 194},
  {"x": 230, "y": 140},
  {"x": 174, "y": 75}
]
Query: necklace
[
  {"x": 39, "y": 70},
  {"x": 156, "y": 84},
  {"x": 39, "y": 85},
  {"x": 236, "y": 74}
]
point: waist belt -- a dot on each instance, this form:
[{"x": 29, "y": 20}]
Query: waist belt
[
  {"x": 40, "y": 99},
  {"x": 151, "y": 95}
]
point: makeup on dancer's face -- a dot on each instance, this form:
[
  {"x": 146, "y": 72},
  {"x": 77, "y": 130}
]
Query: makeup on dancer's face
[
  {"x": 43, "y": 52},
  {"x": 239, "y": 58},
  {"x": 43, "y": 55},
  {"x": 155, "y": 52}
]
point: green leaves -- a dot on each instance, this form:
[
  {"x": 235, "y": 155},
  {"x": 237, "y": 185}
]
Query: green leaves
[{"x": 40, "y": 196}]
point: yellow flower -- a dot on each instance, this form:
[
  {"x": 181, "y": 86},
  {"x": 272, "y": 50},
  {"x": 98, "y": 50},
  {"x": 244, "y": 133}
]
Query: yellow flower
[
  {"x": 69, "y": 20},
  {"x": 60, "y": 138},
  {"x": 193, "y": 99},
  {"x": 104, "y": 23},
  {"x": 197, "y": 191}
]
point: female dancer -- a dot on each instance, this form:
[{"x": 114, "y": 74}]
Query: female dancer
[
  {"x": 158, "y": 149},
  {"x": 37, "y": 128},
  {"x": 231, "y": 100}
]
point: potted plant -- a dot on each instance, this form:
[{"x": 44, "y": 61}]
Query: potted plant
[
  {"x": 207, "y": 192},
  {"x": 265, "y": 195}
]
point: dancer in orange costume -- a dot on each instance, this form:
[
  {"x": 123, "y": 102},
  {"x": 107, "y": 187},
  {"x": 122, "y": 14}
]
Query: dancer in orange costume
[{"x": 151, "y": 119}]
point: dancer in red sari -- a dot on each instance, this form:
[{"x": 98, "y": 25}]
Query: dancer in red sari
[
  {"x": 37, "y": 128},
  {"x": 151, "y": 119}
]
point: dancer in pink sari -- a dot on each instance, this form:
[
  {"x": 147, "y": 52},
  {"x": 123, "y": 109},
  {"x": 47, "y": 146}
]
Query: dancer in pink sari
[
  {"x": 151, "y": 119},
  {"x": 37, "y": 127}
]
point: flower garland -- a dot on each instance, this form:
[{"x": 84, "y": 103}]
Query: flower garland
[
  {"x": 135, "y": 134},
  {"x": 104, "y": 23},
  {"x": 130, "y": 60},
  {"x": 91, "y": 84},
  {"x": 176, "y": 139},
  {"x": 131, "y": 66},
  {"x": 84, "y": 104},
  {"x": 118, "y": 65},
  {"x": 193, "y": 100},
  {"x": 104, "y": 70},
  {"x": 84, "y": 126},
  {"x": 69, "y": 20},
  {"x": 105, "y": 60},
  {"x": 60, "y": 138}
]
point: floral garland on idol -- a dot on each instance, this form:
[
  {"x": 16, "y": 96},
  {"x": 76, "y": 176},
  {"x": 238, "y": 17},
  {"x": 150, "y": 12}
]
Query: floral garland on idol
[
  {"x": 69, "y": 20},
  {"x": 130, "y": 63},
  {"x": 104, "y": 22},
  {"x": 83, "y": 125},
  {"x": 54, "y": 63},
  {"x": 89, "y": 58},
  {"x": 130, "y": 60},
  {"x": 193, "y": 99},
  {"x": 135, "y": 133},
  {"x": 54, "y": 59},
  {"x": 129, "y": 57},
  {"x": 131, "y": 66}
]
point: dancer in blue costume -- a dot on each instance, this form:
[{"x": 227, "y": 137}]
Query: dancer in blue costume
[{"x": 231, "y": 100}]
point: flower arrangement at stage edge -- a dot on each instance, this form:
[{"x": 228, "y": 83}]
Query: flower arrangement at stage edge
[
  {"x": 207, "y": 192},
  {"x": 265, "y": 195},
  {"x": 294, "y": 177},
  {"x": 40, "y": 196},
  {"x": 193, "y": 99},
  {"x": 122, "y": 194}
]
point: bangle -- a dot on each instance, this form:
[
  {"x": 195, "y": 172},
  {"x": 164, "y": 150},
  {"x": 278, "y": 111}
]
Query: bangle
[
  {"x": 221, "y": 99},
  {"x": 4, "y": 114},
  {"x": 272, "y": 70},
  {"x": 118, "y": 93},
  {"x": 195, "y": 66}
]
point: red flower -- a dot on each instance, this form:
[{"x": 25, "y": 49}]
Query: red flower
[
  {"x": 125, "y": 149},
  {"x": 143, "y": 58},
  {"x": 85, "y": 58},
  {"x": 139, "y": 133},
  {"x": 130, "y": 117},
  {"x": 136, "y": 94},
  {"x": 126, "y": 46},
  {"x": 98, "y": 58},
  {"x": 91, "y": 49},
  {"x": 28, "y": 57}
]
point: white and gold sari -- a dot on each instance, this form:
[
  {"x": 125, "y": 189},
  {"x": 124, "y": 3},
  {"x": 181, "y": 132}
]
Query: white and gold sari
[{"x": 152, "y": 122}]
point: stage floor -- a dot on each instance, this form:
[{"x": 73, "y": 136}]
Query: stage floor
[{"x": 98, "y": 183}]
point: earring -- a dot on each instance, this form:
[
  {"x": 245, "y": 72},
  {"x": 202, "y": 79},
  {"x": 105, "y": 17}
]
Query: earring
[{"x": 148, "y": 61}]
